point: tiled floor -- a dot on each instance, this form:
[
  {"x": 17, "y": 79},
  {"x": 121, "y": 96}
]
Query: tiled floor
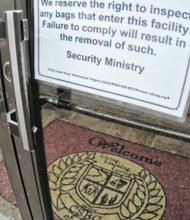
[{"x": 10, "y": 212}]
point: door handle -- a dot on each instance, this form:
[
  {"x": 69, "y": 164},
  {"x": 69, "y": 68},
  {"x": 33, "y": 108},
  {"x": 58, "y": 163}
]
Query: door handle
[{"x": 17, "y": 34}]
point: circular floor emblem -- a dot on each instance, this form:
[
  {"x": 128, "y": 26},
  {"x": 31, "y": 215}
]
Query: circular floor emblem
[{"x": 98, "y": 186}]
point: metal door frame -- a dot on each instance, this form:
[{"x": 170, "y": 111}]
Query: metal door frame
[{"x": 23, "y": 154}]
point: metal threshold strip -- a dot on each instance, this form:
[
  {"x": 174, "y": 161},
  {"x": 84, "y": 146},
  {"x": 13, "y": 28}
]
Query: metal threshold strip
[
  {"x": 124, "y": 120},
  {"x": 115, "y": 118}
]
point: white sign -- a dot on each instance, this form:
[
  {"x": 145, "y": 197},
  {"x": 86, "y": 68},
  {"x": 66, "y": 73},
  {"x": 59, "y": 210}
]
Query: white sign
[{"x": 132, "y": 51}]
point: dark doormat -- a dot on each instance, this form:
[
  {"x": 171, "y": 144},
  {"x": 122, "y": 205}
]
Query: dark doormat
[{"x": 94, "y": 176}]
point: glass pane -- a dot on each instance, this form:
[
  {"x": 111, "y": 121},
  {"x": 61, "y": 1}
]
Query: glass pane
[
  {"x": 109, "y": 49},
  {"x": 107, "y": 158},
  {"x": 103, "y": 168},
  {"x": 116, "y": 133}
]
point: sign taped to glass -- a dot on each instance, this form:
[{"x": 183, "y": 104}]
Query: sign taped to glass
[{"x": 132, "y": 51}]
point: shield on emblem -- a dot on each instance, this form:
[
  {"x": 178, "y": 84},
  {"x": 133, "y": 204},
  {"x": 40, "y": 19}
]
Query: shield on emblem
[{"x": 100, "y": 187}]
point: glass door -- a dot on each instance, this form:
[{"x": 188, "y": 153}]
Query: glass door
[
  {"x": 96, "y": 139},
  {"x": 116, "y": 130}
]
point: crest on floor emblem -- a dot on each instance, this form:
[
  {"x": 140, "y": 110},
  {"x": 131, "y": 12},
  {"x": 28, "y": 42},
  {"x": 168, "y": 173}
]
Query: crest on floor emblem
[
  {"x": 103, "y": 188},
  {"x": 99, "y": 186}
]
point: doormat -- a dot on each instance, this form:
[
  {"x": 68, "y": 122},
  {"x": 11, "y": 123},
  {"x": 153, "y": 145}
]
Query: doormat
[
  {"x": 94, "y": 176},
  {"x": 5, "y": 186}
]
